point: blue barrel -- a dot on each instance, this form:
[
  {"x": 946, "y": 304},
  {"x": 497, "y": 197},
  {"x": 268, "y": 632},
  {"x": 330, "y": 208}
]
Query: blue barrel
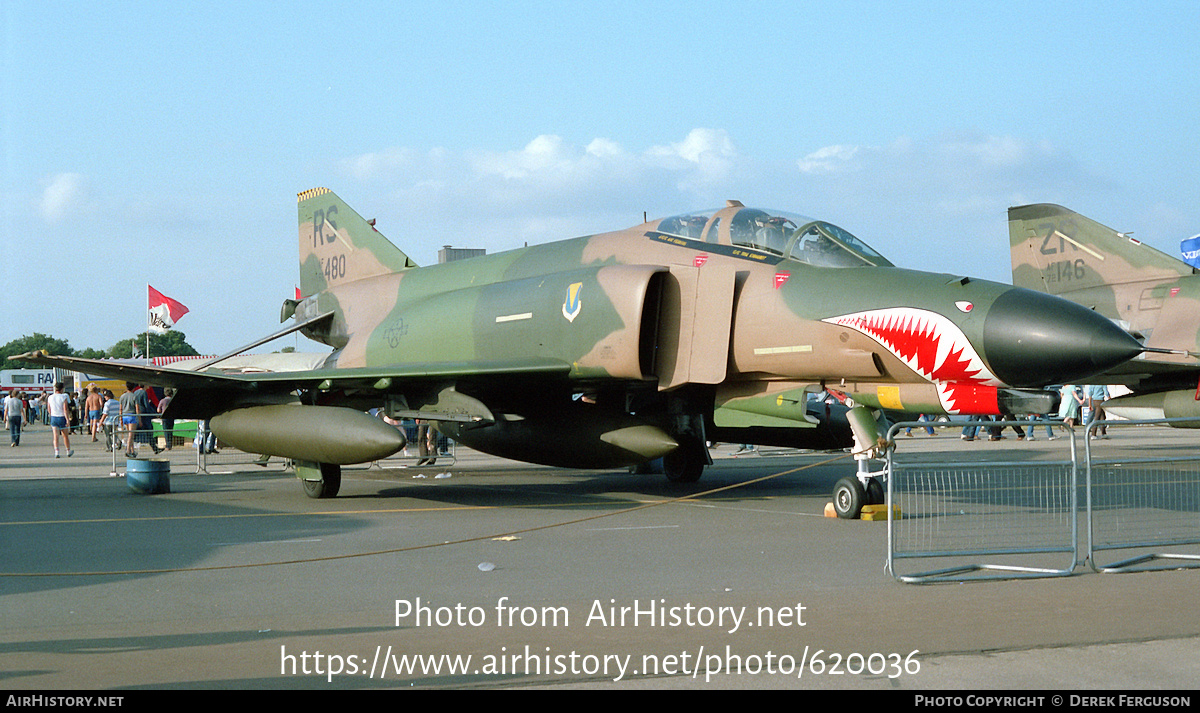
[{"x": 149, "y": 475}]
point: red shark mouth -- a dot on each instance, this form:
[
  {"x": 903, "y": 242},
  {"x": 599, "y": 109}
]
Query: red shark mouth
[{"x": 935, "y": 348}]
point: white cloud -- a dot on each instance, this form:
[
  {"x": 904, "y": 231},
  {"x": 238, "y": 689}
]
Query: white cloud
[
  {"x": 828, "y": 159},
  {"x": 371, "y": 164},
  {"x": 64, "y": 194},
  {"x": 699, "y": 146},
  {"x": 605, "y": 148},
  {"x": 921, "y": 193},
  {"x": 996, "y": 151},
  {"x": 964, "y": 170},
  {"x": 551, "y": 175},
  {"x": 704, "y": 159},
  {"x": 940, "y": 202},
  {"x": 546, "y": 154}
]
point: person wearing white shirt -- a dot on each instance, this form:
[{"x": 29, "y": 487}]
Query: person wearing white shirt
[
  {"x": 14, "y": 416},
  {"x": 60, "y": 418}
]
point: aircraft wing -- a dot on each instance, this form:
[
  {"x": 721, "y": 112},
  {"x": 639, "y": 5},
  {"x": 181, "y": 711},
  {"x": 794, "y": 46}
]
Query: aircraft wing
[
  {"x": 203, "y": 392},
  {"x": 137, "y": 373}
]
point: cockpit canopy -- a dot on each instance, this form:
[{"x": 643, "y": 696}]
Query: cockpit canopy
[{"x": 775, "y": 232}]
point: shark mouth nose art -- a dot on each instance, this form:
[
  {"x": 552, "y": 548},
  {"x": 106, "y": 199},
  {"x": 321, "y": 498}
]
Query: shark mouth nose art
[
  {"x": 927, "y": 342},
  {"x": 934, "y": 347}
]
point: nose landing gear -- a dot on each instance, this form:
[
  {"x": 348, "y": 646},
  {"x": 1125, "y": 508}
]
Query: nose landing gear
[{"x": 851, "y": 493}]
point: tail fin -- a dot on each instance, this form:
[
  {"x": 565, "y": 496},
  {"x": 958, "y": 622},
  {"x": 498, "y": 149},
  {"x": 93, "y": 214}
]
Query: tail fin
[
  {"x": 1059, "y": 251},
  {"x": 338, "y": 246}
]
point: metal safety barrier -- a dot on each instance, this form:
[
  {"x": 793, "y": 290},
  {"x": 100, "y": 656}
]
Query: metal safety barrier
[
  {"x": 190, "y": 447},
  {"x": 1140, "y": 504},
  {"x": 983, "y": 519},
  {"x": 157, "y": 441},
  {"x": 216, "y": 457},
  {"x": 411, "y": 457}
]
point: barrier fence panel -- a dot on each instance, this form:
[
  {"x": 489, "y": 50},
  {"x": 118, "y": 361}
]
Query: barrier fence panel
[
  {"x": 157, "y": 442},
  {"x": 411, "y": 457},
  {"x": 222, "y": 457},
  {"x": 983, "y": 519},
  {"x": 1141, "y": 505}
]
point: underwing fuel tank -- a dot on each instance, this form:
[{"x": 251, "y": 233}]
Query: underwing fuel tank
[
  {"x": 318, "y": 434},
  {"x": 1157, "y": 406},
  {"x": 567, "y": 439}
]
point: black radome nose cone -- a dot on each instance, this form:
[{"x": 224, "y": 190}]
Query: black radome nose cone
[{"x": 1032, "y": 339}]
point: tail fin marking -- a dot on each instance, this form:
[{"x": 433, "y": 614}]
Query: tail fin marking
[
  {"x": 1059, "y": 251},
  {"x": 338, "y": 246}
]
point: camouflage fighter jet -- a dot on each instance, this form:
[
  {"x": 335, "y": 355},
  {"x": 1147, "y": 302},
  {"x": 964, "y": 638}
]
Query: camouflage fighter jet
[
  {"x": 615, "y": 349},
  {"x": 1155, "y": 296}
]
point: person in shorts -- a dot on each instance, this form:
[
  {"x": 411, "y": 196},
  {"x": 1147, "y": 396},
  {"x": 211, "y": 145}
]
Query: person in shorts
[
  {"x": 94, "y": 405},
  {"x": 129, "y": 416},
  {"x": 60, "y": 418}
]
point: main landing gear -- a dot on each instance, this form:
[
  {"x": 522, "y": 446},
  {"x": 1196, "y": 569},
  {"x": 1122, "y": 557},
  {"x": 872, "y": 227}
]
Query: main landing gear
[
  {"x": 686, "y": 463},
  {"x": 320, "y": 480}
]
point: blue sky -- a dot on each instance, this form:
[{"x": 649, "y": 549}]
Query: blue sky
[{"x": 164, "y": 143}]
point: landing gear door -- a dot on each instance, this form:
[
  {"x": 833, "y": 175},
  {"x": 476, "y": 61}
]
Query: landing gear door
[{"x": 695, "y": 322}]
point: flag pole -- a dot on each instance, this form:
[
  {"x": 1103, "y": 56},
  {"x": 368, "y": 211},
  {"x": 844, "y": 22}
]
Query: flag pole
[{"x": 147, "y": 322}]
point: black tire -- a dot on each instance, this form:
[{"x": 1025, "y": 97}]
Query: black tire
[
  {"x": 650, "y": 467},
  {"x": 848, "y": 498},
  {"x": 329, "y": 484},
  {"x": 685, "y": 464},
  {"x": 876, "y": 493}
]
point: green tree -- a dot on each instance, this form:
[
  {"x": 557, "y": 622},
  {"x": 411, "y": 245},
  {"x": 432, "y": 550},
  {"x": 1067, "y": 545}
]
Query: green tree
[
  {"x": 172, "y": 343},
  {"x": 29, "y": 343}
]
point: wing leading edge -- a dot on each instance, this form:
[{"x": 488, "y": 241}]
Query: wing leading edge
[{"x": 205, "y": 393}]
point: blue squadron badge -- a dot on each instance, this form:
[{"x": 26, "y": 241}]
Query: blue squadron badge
[{"x": 572, "y": 304}]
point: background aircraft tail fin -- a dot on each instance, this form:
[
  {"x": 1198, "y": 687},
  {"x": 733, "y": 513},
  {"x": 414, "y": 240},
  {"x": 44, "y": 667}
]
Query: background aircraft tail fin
[
  {"x": 337, "y": 245},
  {"x": 1059, "y": 251}
]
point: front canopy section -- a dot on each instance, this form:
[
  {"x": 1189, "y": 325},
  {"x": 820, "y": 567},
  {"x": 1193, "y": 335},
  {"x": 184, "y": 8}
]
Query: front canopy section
[{"x": 788, "y": 235}]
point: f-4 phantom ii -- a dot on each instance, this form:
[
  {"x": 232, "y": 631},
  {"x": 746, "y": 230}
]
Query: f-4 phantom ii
[
  {"x": 1153, "y": 295},
  {"x": 619, "y": 348}
]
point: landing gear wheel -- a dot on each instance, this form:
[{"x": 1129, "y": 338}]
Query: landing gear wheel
[
  {"x": 647, "y": 468},
  {"x": 876, "y": 494},
  {"x": 848, "y": 498},
  {"x": 685, "y": 463},
  {"x": 329, "y": 484}
]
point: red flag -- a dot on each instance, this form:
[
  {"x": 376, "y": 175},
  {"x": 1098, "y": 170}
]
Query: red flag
[{"x": 164, "y": 312}]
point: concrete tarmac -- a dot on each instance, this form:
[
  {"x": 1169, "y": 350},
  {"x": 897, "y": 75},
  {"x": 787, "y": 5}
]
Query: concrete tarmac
[{"x": 544, "y": 577}]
